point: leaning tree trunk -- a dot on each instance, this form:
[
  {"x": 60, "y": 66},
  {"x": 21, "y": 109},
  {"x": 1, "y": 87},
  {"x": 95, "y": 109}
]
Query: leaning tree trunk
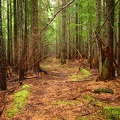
[
  {"x": 108, "y": 70},
  {"x": 3, "y": 85}
]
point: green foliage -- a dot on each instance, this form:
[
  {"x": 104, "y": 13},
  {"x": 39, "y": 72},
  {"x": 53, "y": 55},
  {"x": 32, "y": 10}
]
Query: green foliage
[
  {"x": 19, "y": 99},
  {"x": 103, "y": 90},
  {"x": 25, "y": 86},
  {"x": 112, "y": 113}
]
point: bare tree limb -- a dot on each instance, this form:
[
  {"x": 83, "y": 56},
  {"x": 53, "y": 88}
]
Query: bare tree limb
[
  {"x": 107, "y": 17},
  {"x": 56, "y": 15}
]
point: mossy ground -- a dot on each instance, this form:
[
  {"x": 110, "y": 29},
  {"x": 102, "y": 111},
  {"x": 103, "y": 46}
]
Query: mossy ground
[
  {"x": 19, "y": 100},
  {"x": 57, "y": 98},
  {"x": 81, "y": 74},
  {"x": 108, "y": 112},
  {"x": 112, "y": 113},
  {"x": 103, "y": 90}
]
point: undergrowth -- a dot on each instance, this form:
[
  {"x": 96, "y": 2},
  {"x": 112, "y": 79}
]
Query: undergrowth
[
  {"x": 19, "y": 101},
  {"x": 83, "y": 73},
  {"x": 109, "y": 112},
  {"x": 103, "y": 90}
]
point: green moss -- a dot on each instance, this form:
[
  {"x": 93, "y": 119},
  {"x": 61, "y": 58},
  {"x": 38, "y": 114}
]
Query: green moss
[
  {"x": 112, "y": 113},
  {"x": 19, "y": 100},
  {"x": 85, "y": 72},
  {"x": 103, "y": 90},
  {"x": 25, "y": 86},
  {"x": 63, "y": 103},
  {"x": 93, "y": 101},
  {"x": 109, "y": 112}
]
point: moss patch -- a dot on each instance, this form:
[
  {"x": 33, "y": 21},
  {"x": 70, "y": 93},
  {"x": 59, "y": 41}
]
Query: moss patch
[
  {"x": 85, "y": 72},
  {"x": 93, "y": 101},
  {"x": 109, "y": 112},
  {"x": 19, "y": 100},
  {"x": 64, "y": 103},
  {"x": 103, "y": 90},
  {"x": 112, "y": 113}
]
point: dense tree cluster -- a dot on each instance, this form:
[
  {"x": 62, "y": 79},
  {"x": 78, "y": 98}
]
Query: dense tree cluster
[{"x": 33, "y": 29}]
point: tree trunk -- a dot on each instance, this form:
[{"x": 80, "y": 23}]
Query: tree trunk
[
  {"x": 3, "y": 85},
  {"x": 15, "y": 37},
  {"x": 77, "y": 29},
  {"x": 63, "y": 41},
  {"x": 119, "y": 41},
  {"x": 35, "y": 34},
  {"x": 108, "y": 70},
  {"x": 98, "y": 19}
]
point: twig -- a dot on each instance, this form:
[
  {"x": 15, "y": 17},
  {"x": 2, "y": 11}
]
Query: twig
[
  {"x": 107, "y": 17},
  {"x": 56, "y": 15}
]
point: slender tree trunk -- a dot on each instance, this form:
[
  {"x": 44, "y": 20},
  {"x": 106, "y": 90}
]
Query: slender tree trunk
[
  {"x": 98, "y": 19},
  {"x": 15, "y": 37},
  {"x": 21, "y": 40},
  {"x": 77, "y": 29},
  {"x": 119, "y": 41},
  {"x": 35, "y": 34},
  {"x": 63, "y": 42},
  {"x": 26, "y": 36},
  {"x": 3, "y": 85},
  {"x": 8, "y": 28}
]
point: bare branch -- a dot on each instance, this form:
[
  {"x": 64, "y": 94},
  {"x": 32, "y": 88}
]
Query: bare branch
[
  {"x": 108, "y": 16},
  {"x": 56, "y": 15}
]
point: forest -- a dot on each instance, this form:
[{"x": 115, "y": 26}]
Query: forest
[{"x": 59, "y": 59}]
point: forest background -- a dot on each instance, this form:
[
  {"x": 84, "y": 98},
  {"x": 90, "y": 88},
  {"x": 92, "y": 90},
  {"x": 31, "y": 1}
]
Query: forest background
[{"x": 31, "y": 30}]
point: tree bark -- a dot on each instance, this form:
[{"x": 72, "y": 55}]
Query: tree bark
[
  {"x": 108, "y": 70},
  {"x": 3, "y": 85},
  {"x": 119, "y": 41},
  {"x": 63, "y": 41}
]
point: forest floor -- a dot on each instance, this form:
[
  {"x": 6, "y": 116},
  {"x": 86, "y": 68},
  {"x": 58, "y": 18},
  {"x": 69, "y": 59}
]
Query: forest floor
[{"x": 65, "y": 94}]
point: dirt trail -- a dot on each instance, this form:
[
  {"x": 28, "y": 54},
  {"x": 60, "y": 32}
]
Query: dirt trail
[{"x": 56, "y": 97}]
